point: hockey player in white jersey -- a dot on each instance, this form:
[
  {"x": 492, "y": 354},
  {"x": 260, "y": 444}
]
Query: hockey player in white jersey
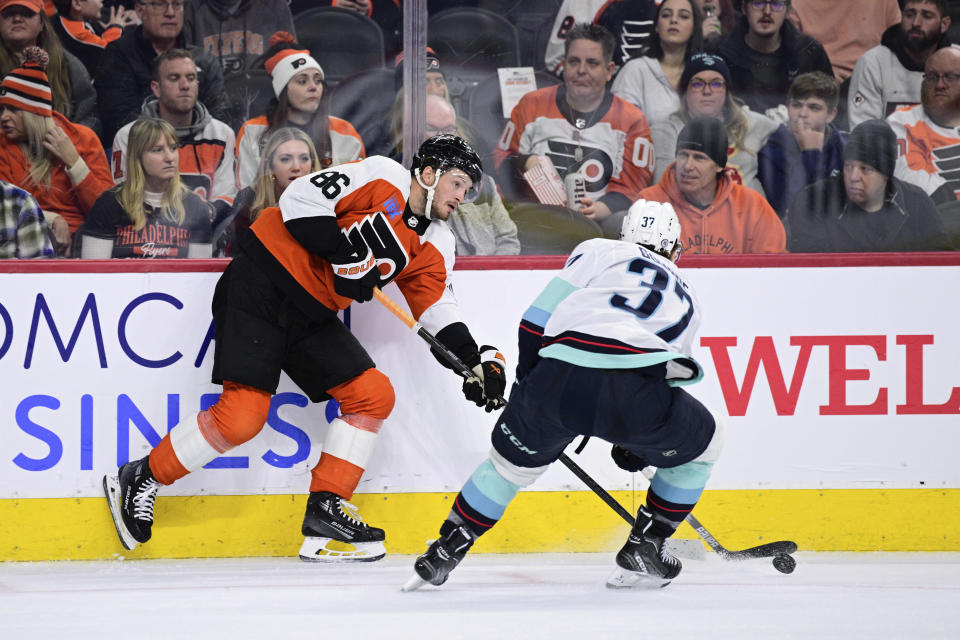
[{"x": 603, "y": 351}]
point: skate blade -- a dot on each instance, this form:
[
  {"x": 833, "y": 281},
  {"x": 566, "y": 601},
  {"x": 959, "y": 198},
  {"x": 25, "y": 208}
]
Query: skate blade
[
  {"x": 111, "y": 489},
  {"x": 330, "y": 550},
  {"x": 623, "y": 579},
  {"x": 414, "y": 583}
]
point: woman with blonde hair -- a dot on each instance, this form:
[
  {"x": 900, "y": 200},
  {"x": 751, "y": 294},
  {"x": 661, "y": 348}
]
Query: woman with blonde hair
[
  {"x": 302, "y": 101},
  {"x": 705, "y": 93},
  {"x": 59, "y": 162},
  {"x": 23, "y": 24},
  {"x": 151, "y": 214},
  {"x": 288, "y": 153}
]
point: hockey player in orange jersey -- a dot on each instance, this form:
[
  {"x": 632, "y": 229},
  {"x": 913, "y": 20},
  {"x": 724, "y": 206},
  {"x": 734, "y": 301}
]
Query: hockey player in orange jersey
[{"x": 335, "y": 235}]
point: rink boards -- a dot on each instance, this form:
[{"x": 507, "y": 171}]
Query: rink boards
[{"x": 839, "y": 376}]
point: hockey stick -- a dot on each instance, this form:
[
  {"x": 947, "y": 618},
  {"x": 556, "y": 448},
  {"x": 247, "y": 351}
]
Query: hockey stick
[{"x": 770, "y": 549}]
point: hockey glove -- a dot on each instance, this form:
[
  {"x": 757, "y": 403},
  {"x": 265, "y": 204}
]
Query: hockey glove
[
  {"x": 356, "y": 278},
  {"x": 489, "y": 380},
  {"x": 626, "y": 459}
]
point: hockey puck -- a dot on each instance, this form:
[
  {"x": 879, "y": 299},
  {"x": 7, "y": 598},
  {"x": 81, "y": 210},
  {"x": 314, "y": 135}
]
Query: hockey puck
[{"x": 784, "y": 563}]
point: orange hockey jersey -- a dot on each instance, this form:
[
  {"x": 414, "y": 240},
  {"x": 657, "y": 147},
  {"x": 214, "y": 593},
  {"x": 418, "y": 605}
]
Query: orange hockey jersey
[
  {"x": 612, "y": 150},
  {"x": 368, "y": 198}
]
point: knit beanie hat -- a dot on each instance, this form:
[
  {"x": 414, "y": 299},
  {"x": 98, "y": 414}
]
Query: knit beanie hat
[
  {"x": 703, "y": 62},
  {"x": 288, "y": 62},
  {"x": 432, "y": 64},
  {"x": 27, "y": 87},
  {"x": 706, "y": 135},
  {"x": 873, "y": 143}
]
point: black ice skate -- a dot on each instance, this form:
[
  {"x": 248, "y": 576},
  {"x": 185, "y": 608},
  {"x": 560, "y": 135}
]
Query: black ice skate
[
  {"x": 335, "y": 532},
  {"x": 441, "y": 557},
  {"x": 644, "y": 560},
  {"x": 130, "y": 495}
]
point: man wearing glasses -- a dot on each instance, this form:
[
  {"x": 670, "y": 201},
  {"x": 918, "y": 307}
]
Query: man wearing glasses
[
  {"x": 125, "y": 70},
  {"x": 889, "y": 75},
  {"x": 927, "y": 133},
  {"x": 765, "y": 52}
]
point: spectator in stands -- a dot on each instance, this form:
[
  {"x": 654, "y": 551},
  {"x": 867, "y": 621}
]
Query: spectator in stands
[
  {"x": 716, "y": 214},
  {"x": 717, "y": 17},
  {"x": 765, "y": 52},
  {"x": 60, "y": 163},
  {"x": 23, "y": 229},
  {"x": 126, "y": 66},
  {"x": 581, "y": 127},
  {"x": 630, "y": 21},
  {"x": 23, "y": 24},
  {"x": 303, "y": 102},
  {"x": 889, "y": 75},
  {"x": 235, "y": 32},
  {"x": 436, "y": 80},
  {"x": 866, "y": 208},
  {"x": 806, "y": 149},
  {"x": 482, "y": 227},
  {"x": 928, "y": 134},
  {"x": 705, "y": 92},
  {"x": 650, "y": 81},
  {"x": 81, "y": 32},
  {"x": 846, "y": 29},
  {"x": 151, "y": 214},
  {"x": 207, "y": 145},
  {"x": 288, "y": 153}
]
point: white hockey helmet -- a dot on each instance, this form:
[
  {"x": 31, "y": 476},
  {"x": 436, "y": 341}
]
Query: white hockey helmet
[{"x": 654, "y": 225}]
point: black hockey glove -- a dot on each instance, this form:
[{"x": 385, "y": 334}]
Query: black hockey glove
[
  {"x": 489, "y": 380},
  {"x": 627, "y": 460},
  {"x": 357, "y": 277}
]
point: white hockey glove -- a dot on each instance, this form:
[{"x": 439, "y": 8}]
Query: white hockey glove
[{"x": 489, "y": 380}]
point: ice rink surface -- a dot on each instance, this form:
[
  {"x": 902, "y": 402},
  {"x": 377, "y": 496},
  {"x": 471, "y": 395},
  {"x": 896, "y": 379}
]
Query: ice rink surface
[{"x": 556, "y": 596}]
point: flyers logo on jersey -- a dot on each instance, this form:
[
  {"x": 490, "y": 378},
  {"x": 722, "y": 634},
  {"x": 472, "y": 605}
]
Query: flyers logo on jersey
[
  {"x": 375, "y": 232},
  {"x": 596, "y": 166}
]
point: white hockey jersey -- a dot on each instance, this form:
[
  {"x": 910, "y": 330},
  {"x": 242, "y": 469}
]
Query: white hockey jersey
[
  {"x": 616, "y": 305},
  {"x": 929, "y": 153}
]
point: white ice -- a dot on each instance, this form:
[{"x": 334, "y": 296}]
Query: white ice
[{"x": 555, "y": 596}]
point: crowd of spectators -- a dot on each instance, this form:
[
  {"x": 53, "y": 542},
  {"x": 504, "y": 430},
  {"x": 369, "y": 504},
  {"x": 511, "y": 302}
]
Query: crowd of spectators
[{"x": 770, "y": 125}]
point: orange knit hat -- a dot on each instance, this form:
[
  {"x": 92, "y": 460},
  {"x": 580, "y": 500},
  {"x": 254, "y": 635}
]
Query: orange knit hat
[
  {"x": 288, "y": 62},
  {"x": 27, "y": 86}
]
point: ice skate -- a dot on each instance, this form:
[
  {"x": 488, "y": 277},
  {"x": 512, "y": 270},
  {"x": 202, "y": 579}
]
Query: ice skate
[
  {"x": 335, "y": 532},
  {"x": 442, "y": 557},
  {"x": 130, "y": 495},
  {"x": 644, "y": 561}
]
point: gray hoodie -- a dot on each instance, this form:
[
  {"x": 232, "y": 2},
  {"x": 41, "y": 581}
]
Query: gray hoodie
[
  {"x": 236, "y": 33},
  {"x": 207, "y": 150}
]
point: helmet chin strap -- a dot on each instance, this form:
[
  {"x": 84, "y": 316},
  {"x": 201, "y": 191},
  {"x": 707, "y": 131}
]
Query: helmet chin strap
[{"x": 430, "y": 190}]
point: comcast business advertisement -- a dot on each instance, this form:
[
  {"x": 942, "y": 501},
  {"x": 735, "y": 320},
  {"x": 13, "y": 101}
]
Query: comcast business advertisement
[{"x": 832, "y": 377}]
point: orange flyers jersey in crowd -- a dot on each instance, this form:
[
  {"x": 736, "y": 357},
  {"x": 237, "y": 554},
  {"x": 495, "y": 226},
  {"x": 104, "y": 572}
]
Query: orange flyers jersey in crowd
[
  {"x": 929, "y": 153},
  {"x": 346, "y": 145},
  {"x": 739, "y": 220},
  {"x": 613, "y": 150},
  {"x": 368, "y": 198}
]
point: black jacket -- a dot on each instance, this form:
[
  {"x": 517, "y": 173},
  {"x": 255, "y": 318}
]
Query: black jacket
[
  {"x": 754, "y": 82},
  {"x": 124, "y": 75},
  {"x": 821, "y": 219}
]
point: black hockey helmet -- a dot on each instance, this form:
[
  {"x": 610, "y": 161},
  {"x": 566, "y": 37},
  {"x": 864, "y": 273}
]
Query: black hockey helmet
[{"x": 447, "y": 151}]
